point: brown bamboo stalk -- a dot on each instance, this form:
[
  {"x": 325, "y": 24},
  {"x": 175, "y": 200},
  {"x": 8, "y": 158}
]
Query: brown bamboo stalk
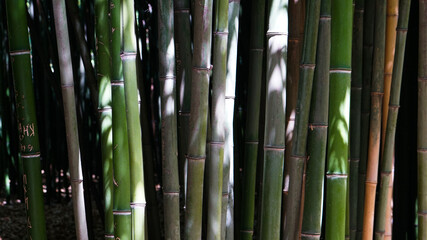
[
  {"x": 391, "y": 24},
  {"x": 377, "y": 90},
  {"x": 296, "y": 35}
]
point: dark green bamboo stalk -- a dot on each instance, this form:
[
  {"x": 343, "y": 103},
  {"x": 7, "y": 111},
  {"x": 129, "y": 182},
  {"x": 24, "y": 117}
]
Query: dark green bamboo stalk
[
  {"x": 84, "y": 50},
  {"x": 388, "y": 154},
  {"x": 198, "y": 117},
  {"x": 169, "y": 119},
  {"x": 377, "y": 91},
  {"x": 368, "y": 39},
  {"x": 275, "y": 109},
  {"x": 20, "y": 59},
  {"x": 228, "y": 184},
  {"x": 216, "y": 145},
  {"x": 298, "y": 156},
  {"x": 183, "y": 72},
  {"x": 121, "y": 179},
  {"x": 339, "y": 114},
  {"x": 67, "y": 84},
  {"x": 104, "y": 109},
  {"x": 355, "y": 113},
  {"x": 128, "y": 56},
  {"x": 422, "y": 121},
  {"x": 317, "y": 134},
  {"x": 256, "y": 54},
  {"x": 148, "y": 154}
]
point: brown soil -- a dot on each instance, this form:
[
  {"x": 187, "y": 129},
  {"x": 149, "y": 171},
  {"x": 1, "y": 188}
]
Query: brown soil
[{"x": 59, "y": 221}]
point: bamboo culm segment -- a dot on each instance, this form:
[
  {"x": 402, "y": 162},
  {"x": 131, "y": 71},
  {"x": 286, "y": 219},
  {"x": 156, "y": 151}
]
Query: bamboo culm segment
[
  {"x": 20, "y": 58},
  {"x": 275, "y": 111},
  {"x": 228, "y": 212},
  {"x": 298, "y": 155},
  {"x": 422, "y": 122},
  {"x": 104, "y": 108},
  {"x": 216, "y": 145},
  {"x": 256, "y": 54},
  {"x": 389, "y": 141},
  {"x": 368, "y": 38},
  {"x": 339, "y": 113},
  {"x": 377, "y": 91},
  {"x": 128, "y": 56},
  {"x": 198, "y": 118},
  {"x": 67, "y": 84},
  {"x": 390, "y": 43},
  {"x": 169, "y": 119},
  {"x": 355, "y": 114},
  {"x": 183, "y": 57},
  {"x": 317, "y": 131},
  {"x": 121, "y": 173}
]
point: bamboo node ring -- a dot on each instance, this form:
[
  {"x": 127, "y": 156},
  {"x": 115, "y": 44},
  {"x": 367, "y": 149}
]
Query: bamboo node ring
[{"x": 19, "y": 52}]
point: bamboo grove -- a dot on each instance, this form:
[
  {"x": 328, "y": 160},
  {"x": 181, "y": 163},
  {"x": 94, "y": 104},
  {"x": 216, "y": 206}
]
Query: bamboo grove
[{"x": 216, "y": 119}]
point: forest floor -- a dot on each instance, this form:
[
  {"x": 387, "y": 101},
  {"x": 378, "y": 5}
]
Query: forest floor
[{"x": 59, "y": 221}]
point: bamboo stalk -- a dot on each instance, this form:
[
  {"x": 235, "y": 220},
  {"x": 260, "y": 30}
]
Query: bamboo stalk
[
  {"x": 183, "y": 72},
  {"x": 296, "y": 36},
  {"x": 338, "y": 123},
  {"x": 422, "y": 121},
  {"x": 228, "y": 212},
  {"x": 368, "y": 39},
  {"x": 121, "y": 179},
  {"x": 298, "y": 156},
  {"x": 216, "y": 145},
  {"x": 84, "y": 51},
  {"x": 275, "y": 115},
  {"x": 20, "y": 60},
  {"x": 128, "y": 56},
  {"x": 392, "y": 19},
  {"x": 377, "y": 91},
  {"x": 355, "y": 114},
  {"x": 169, "y": 119},
  {"x": 104, "y": 109},
  {"x": 317, "y": 133},
  {"x": 198, "y": 117},
  {"x": 256, "y": 55},
  {"x": 388, "y": 153},
  {"x": 67, "y": 84}
]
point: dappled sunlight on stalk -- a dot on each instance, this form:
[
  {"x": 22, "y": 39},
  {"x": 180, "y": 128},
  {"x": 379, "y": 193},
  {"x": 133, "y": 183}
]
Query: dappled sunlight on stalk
[
  {"x": 275, "y": 120},
  {"x": 340, "y": 124}
]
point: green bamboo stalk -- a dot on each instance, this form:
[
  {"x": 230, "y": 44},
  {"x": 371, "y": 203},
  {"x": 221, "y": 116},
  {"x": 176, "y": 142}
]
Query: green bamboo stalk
[
  {"x": 256, "y": 54},
  {"x": 169, "y": 119},
  {"x": 67, "y": 84},
  {"x": 104, "y": 109},
  {"x": 355, "y": 113},
  {"x": 368, "y": 39},
  {"x": 339, "y": 114},
  {"x": 121, "y": 171},
  {"x": 377, "y": 91},
  {"x": 393, "y": 109},
  {"x": 198, "y": 117},
  {"x": 128, "y": 56},
  {"x": 216, "y": 145},
  {"x": 275, "y": 110},
  {"x": 121, "y": 179},
  {"x": 422, "y": 121},
  {"x": 317, "y": 134},
  {"x": 183, "y": 72},
  {"x": 298, "y": 156},
  {"x": 228, "y": 188},
  {"x": 20, "y": 59}
]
